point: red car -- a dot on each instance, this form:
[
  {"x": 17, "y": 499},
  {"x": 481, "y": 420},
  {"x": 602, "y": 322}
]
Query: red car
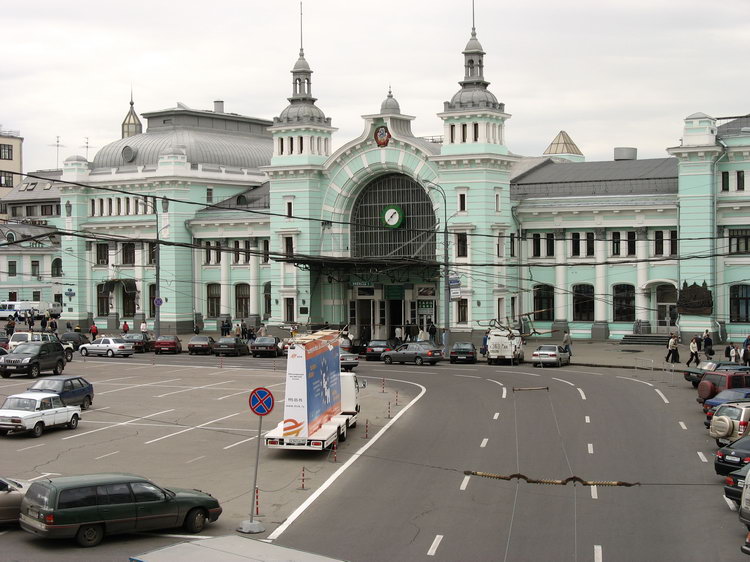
[{"x": 171, "y": 344}]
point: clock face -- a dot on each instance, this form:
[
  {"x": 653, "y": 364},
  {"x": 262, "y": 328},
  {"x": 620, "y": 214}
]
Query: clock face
[{"x": 393, "y": 216}]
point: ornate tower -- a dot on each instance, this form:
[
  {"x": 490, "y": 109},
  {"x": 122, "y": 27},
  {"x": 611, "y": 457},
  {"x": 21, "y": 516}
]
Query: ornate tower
[{"x": 131, "y": 125}]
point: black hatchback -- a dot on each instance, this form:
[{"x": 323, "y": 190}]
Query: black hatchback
[
  {"x": 73, "y": 390},
  {"x": 733, "y": 456},
  {"x": 231, "y": 346}
]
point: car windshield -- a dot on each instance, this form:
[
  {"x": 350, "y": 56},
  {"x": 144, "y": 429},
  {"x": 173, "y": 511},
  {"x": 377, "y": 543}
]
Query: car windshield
[
  {"x": 25, "y": 348},
  {"x": 226, "y": 340},
  {"x": 462, "y": 345},
  {"x": 707, "y": 365},
  {"x": 378, "y": 343},
  {"x": 166, "y": 338},
  {"x": 47, "y": 384},
  {"x": 265, "y": 340},
  {"x": 547, "y": 348},
  {"x": 732, "y": 412},
  {"x": 729, "y": 395},
  {"x": 133, "y": 337},
  {"x": 16, "y": 403},
  {"x": 118, "y": 340}
]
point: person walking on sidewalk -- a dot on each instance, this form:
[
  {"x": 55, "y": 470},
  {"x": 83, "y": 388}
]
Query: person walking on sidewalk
[
  {"x": 125, "y": 328},
  {"x": 567, "y": 343},
  {"x": 672, "y": 354},
  {"x": 693, "y": 352},
  {"x": 708, "y": 345}
]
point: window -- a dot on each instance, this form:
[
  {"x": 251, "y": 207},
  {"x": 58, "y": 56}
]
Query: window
[
  {"x": 128, "y": 303},
  {"x": 463, "y": 311},
  {"x": 291, "y": 145},
  {"x": 208, "y": 252},
  {"x": 241, "y": 200},
  {"x": 77, "y": 497},
  {"x": 289, "y": 309},
  {"x": 102, "y": 254},
  {"x": 14, "y": 211},
  {"x": 12, "y": 296},
  {"x": 659, "y": 243},
  {"x": 114, "y": 494},
  {"x": 615, "y": 243},
  {"x": 725, "y": 181},
  {"x": 237, "y": 252},
  {"x": 289, "y": 209},
  {"x": 544, "y": 302},
  {"x": 48, "y": 210},
  {"x": 35, "y": 269},
  {"x": 6, "y": 152},
  {"x": 497, "y": 202},
  {"x": 461, "y": 201},
  {"x": 740, "y": 180},
  {"x": 128, "y": 253},
  {"x": 109, "y": 207},
  {"x": 589, "y": 244},
  {"x": 631, "y": 243},
  {"x": 146, "y": 492},
  {"x": 453, "y": 134},
  {"x": 92, "y": 210},
  {"x": 536, "y": 245},
  {"x": 247, "y": 251},
  {"x": 267, "y": 300},
  {"x": 463, "y": 133},
  {"x": 281, "y": 146},
  {"x": 242, "y": 300},
  {"x": 499, "y": 246},
  {"x": 550, "y": 244},
  {"x": 623, "y": 303},
  {"x": 101, "y": 207},
  {"x": 36, "y": 295},
  {"x": 739, "y": 303},
  {"x": 30, "y": 210},
  {"x": 575, "y": 244},
  {"x": 583, "y": 303},
  {"x": 673, "y": 247},
  {"x": 288, "y": 246},
  {"x": 12, "y": 272},
  {"x": 213, "y": 293},
  {"x": 217, "y": 252},
  {"x": 476, "y": 132},
  {"x": 152, "y": 253},
  {"x": 57, "y": 267},
  {"x": 6, "y": 179},
  {"x": 209, "y": 195},
  {"x": 300, "y": 145},
  {"x": 102, "y": 301},
  {"x": 739, "y": 241},
  {"x": 119, "y": 206},
  {"x": 462, "y": 245},
  {"x": 513, "y": 244},
  {"x": 266, "y": 251}
]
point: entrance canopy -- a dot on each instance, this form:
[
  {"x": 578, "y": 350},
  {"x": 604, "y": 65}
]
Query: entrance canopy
[{"x": 128, "y": 285}]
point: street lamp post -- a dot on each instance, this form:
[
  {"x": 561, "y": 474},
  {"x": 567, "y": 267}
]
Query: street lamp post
[{"x": 446, "y": 265}]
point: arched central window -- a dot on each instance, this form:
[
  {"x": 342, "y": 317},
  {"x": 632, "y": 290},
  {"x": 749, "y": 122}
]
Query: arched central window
[
  {"x": 413, "y": 236},
  {"x": 623, "y": 303},
  {"x": 583, "y": 303},
  {"x": 213, "y": 294},
  {"x": 544, "y": 302},
  {"x": 57, "y": 267},
  {"x": 242, "y": 300}
]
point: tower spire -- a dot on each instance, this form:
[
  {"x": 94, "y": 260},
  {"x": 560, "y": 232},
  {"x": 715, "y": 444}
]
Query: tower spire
[
  {"x": 131, "y": 125},
  {"x": 301, "y": 48},
  {"x": 473, "y": 26}
]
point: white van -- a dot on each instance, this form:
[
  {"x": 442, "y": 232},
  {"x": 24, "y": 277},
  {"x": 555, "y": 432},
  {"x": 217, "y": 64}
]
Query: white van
[
  {"x": 504, "y": 345},
  {"x": 25, "y": 308}
]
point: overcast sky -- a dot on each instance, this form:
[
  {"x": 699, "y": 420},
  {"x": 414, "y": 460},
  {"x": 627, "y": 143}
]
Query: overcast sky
[{"x": 610, "y": 73}]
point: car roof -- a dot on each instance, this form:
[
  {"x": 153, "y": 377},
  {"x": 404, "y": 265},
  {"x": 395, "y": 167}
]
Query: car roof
[
  {"x": 92, "y": 479},
  {"x": 34, "y": 395},
  {"x": 60, "y": 378}
]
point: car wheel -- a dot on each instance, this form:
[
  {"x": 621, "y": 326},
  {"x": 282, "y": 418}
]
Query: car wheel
[
  {"x": 559, "y": 363},
  {"x": 695, "y": 384},
  {"x": 38, "y": 429},
  {"x": 86, "y": 404},
  {"x": 73, "y": 423},
  {"x": 388, "y": 360},
  {"x": 3, "y": 432},
  {"x": 89, "y": 535},
  {"x": 255, "y": 355},
  {"x": 195, "y": 521},
  {"x": 68, "y": 355},
  {"x": 34, "y": 372},
  {"x": 453, "y": 361},
  {"x": 719, "y": 444},
  {"x": 418, "y": 360},
  {"x": 156, "y": 352},
  {"x": 4, "y": 374},
  {"x": 59, "y": 366},
  {"x": 110, "y": 353},
  {"x": 84, "y": 351}
]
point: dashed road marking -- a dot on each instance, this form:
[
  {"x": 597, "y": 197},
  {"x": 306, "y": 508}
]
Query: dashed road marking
[
  {"x": 661, "y": 394},
  {"x": 107, "y": 455},
  {"x": 192, "y": 388},
  {"x": 594, "y": 493},
  {"x": 239, "y": 442},
  {"x": 191, "y": 428},
  {"x": 135, "y": 386},
  {"x": 435, "y": 545},
  {"x": 583, "y": 396},
  {"x": 598, "y": 553},
  {"x": 702, "y": 457},
  {"x": 563, "y": 380},
  {"x": 497, "y": 415},
  {"x": 591, "y": 448},
  {"x": 32, "y": 447},
  {"x": 634, "y": 380},
  {"x": 464, "y": 483},
  {"x": 484, "y": 442},
  {"x": 117, "y": 424},
  {"x": 682, "y": 425},
  {"x": 588, "y": 419},
  {"x": 195, "y": 459},
  {"x": 468, "y": 376},
  {"x": 505, "y": 392}
]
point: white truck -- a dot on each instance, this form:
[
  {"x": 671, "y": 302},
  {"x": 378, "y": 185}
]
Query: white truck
[
  {"x": 321, "y": 404},
  {"x": 505, "y": 345}
]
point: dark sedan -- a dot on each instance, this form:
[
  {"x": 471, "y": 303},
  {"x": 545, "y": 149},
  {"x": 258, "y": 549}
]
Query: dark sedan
[
  {"x": 171, "y": 344},
  {"x": 463, "y": 351},
  {"x": 734, "y": 483},
  {"x": 266, "y": 345},
  {"x": 733, "y": 456},
  {"x": 73, "y": 390},
  {"x": 201, "y": 344},
  {"x": 231, "y": 346},
  {"x": 141, "y": 342},
  {"x": 375, "y": 348},
  {"x": 75, "y": 338},
  {"x": 417, "y": 353}
]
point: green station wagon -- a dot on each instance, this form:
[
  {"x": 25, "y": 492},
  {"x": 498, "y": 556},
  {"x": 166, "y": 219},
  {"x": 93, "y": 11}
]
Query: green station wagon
[{"x": 88, "y": 507}]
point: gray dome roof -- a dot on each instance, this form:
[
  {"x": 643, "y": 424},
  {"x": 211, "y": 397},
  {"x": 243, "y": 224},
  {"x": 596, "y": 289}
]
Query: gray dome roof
[
  {"x": 390, "y": 105},
  {"x": 299, "y": 112},
  {"x": 473, "y": 44},
  {"x": 200, "y": 147},
  {"x": 76, "y": 158},
  {"x": 474, "y": 97},
  {"x": 301, "y": 63}
]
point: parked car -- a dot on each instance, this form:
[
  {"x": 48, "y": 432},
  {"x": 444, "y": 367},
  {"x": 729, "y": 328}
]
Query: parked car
[
  {"x": 4, "y": 340},
  {"x": 201, "y": 344},
  {"x": 72, "y": 390},
  {"x": 348, "y": 360},
  {"x": 110, "y": 347},
  {"x": 375, "y": 348},
  {"x": 734, "y": 483},
  {"x": 11, "y": 494},
  {"x": 35, "y": 412},
  {"x": 416, "y": 352},
  {"x": 733, "y": 456},
  {"x": 550, "y": 355},
  {"x": 229, "y": 345},
  {"x": 266, "y": 345},
  {"x": 730, "y": 395},
  {"x": 25, "y": 337},
  {"x": 33, "y": 359},
  {"x": 463, "y": 351},
  {"x": 76, "y": 339},
  {"x": 141, "y": 342},
  {"x": 695, "y": 374},
  {"x": 729, "y": 422},
  {"x": 171, "y": 344},
  {"x": 715, "y": 381},
  {"x": 88, "y": 507}
]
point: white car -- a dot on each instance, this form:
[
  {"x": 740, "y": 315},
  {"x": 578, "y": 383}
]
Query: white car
[
  {"x": 348, "y": 360},
  {"x": 550, "y": 355},
  {"x": 35, "y": 412},
  {"x": 108, "y": 346},
  {"x": 24, "y": 337}
]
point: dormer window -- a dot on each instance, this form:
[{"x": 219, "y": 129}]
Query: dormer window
[
  {"x": 241, "y": 200},
  {"x": 281, "y": 146}
]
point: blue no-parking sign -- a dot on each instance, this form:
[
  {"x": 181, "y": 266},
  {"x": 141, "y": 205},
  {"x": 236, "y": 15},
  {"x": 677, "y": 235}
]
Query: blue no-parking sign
[{"x": 261, "y": 401}]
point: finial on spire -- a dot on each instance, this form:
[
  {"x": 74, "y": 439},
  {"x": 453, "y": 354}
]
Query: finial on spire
[
  {"x": 301, "y": 50},
  {"x": 131, "y": 94},
  {"x": 473, "y": 26}
]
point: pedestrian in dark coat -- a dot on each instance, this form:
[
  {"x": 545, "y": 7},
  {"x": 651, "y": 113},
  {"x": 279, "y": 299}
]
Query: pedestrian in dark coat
[{"x": 708, "y": 345}]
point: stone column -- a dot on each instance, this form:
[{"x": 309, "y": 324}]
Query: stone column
[
  {"x": 255, "y": 288},
  {"x": 600, "y": 328},
  {"x": 561, "y": 284},
  {"x": 642, "y": 311},
  {"x": 226, "y": 292}
]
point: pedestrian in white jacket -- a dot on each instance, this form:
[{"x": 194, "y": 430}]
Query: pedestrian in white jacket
[{"x": 693, "y": 352}]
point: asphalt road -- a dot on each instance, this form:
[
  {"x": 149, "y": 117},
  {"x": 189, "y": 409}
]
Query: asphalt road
[{"x": 184, "y": 421}]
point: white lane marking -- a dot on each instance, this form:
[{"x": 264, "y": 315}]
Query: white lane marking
[
  {"x": 464, "y": 483},
  {"x": 240, "y": 442},
  {"x": 583, "y": 396},
  {"x": 107, "y": 455},
  {"x": 115, "y": 379},
  {"x": 591, "y": 448},
  {"x": 409, "y": 372},
  {"x": 660, "y": 393},
  {"x": 568, "y": 370},
  {"x": 505, "y": 392},
  {"x": 594, "y": 493},
  {"x": 117, "y": 424},
  {"x": 43, "y": 475},
  {"x": 730, "y": 504},
  {"x": 588, "y": 419},
  {"x": 634, "y": 380},
  {"x": 32, "y": 447},
  {"x": 135, "y": 386},
  {"x": 331, "y": 479},
  {"x": 189, "y": 537},
  {"x": 100, "y": 409},
  {"x": 435, "y": 545},
  {"x": 191, "y": 388},
  {"x": 2, "y": 533},
  {"x": 484, "y": 443},
  {"x": 682, "y": 425},
  {"x": 597, "y": 553},
  {"x": 191, "y": 428},
  {"x": 563, "y": 380},
  {"x": 496, "y": 382},
  {"x": 247, "y": 390},
  {"x": 497, "y": 415},
  {"x": 195, "y": 459},
  {"x": 702, "y": 457},
  {"x": 468, "y": 376}
]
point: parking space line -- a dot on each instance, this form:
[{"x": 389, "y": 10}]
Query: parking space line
[
  {"x": 117, "y": 424},
  {"x": 661, "y": 394},
  {"x": 682, "y": 425},
  {"x": 730, "y": 504},
  {"x": 105, "y": 456},
  {"x": 240, "y": 442},
  {"x": 484, "y": 443},
  {"x": 583, "y": 396},
  {"x": 43, "y": 475},
  {"x": 195, "y": 459},
  {"x": 128, "y": 387},
  {"x": 634, "y": 380},
  {"x": 563, "y": 380},
  {"x": 505, "y": 392},
  {"x": 588, "y": 419},
  {"x": 598, "y": 553},
  {"x": 464, "y": 483},
  {"x": 435, "y": 545},
  {"x": 191, "y": 388},
  {"x": 594, "y": 493},
  {"x": 191, "y": 428},
  {"x": 468, "y": 376},
  {"x": 247, "y": 390},
  {"x": 32, "y": 447},
  {"x": 591, "y": 448},
  {"x": 702, "y": 457},
  {"x": 115, "y": 379},
  {"x": 497, "y": 415}
]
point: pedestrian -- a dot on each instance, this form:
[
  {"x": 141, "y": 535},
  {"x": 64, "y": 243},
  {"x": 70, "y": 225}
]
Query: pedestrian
[
  {"x": 567, "y": 343},
  {"x": 262, "y": 331},
  {"x": 708, "y": 345},
  {"x": 93, "y": 331},
  {"x": 397, "y": 334},
  {"x": 485, "y": 340},
  {"x": 10, "y": 327},
  {"x": 693, "y": 352},
  {"x": 727, "y": 350},
  {"x": 69, "y": 326},
  {"x": 699, "y": 341},
  {"x": 44, "y": 323},
  {"x": 53, "y": 325},
  {"x": 432, "y": 330},
  {"x": 671, "y": 349},
  {"x": 734, "y": 354},
  {"x": 250, "y": 334},
  {"x": 144, "y": 328},
  {"x": 243, "y": 328},
  {"x": 196, "y": 330},
  {"x": 238, "y": 330},
  {"x": 125, "y": 328}
]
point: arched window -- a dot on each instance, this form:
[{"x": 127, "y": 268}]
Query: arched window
[
  {"x": 544, "y": 302},
  {"x": 57, "y": 267},
  {"x": 109, "y": 206},
  {"x": 281, "y": 146},
  {"x": 300, "y": 144},
  {"x": 307, "y": 86},
  {"x": 623, "y": 303},
  {"x": 739, "y": 303},
  {"x": 101, "y": 207},
  {"x": 93, "y": 207},
  {"x": 242, "y": 300},
  {"x": 297, "y": 84},
  {"x": 241, "y": 200},
  {"x": 583, "y": 303},
  {"x": 291, "y": 145},
  {"x": 10, "y": 237},
  {"x": 471, "y": 67},
  {"x": 213, "y": 300},
  {"x": 119, "y": 205}
]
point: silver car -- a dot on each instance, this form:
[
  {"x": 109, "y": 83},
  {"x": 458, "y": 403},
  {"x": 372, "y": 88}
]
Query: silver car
[
  {"x": 414, "y": 352},
  {"x": 550, "y": 355},
  {"x": 109, "y": 347}
]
